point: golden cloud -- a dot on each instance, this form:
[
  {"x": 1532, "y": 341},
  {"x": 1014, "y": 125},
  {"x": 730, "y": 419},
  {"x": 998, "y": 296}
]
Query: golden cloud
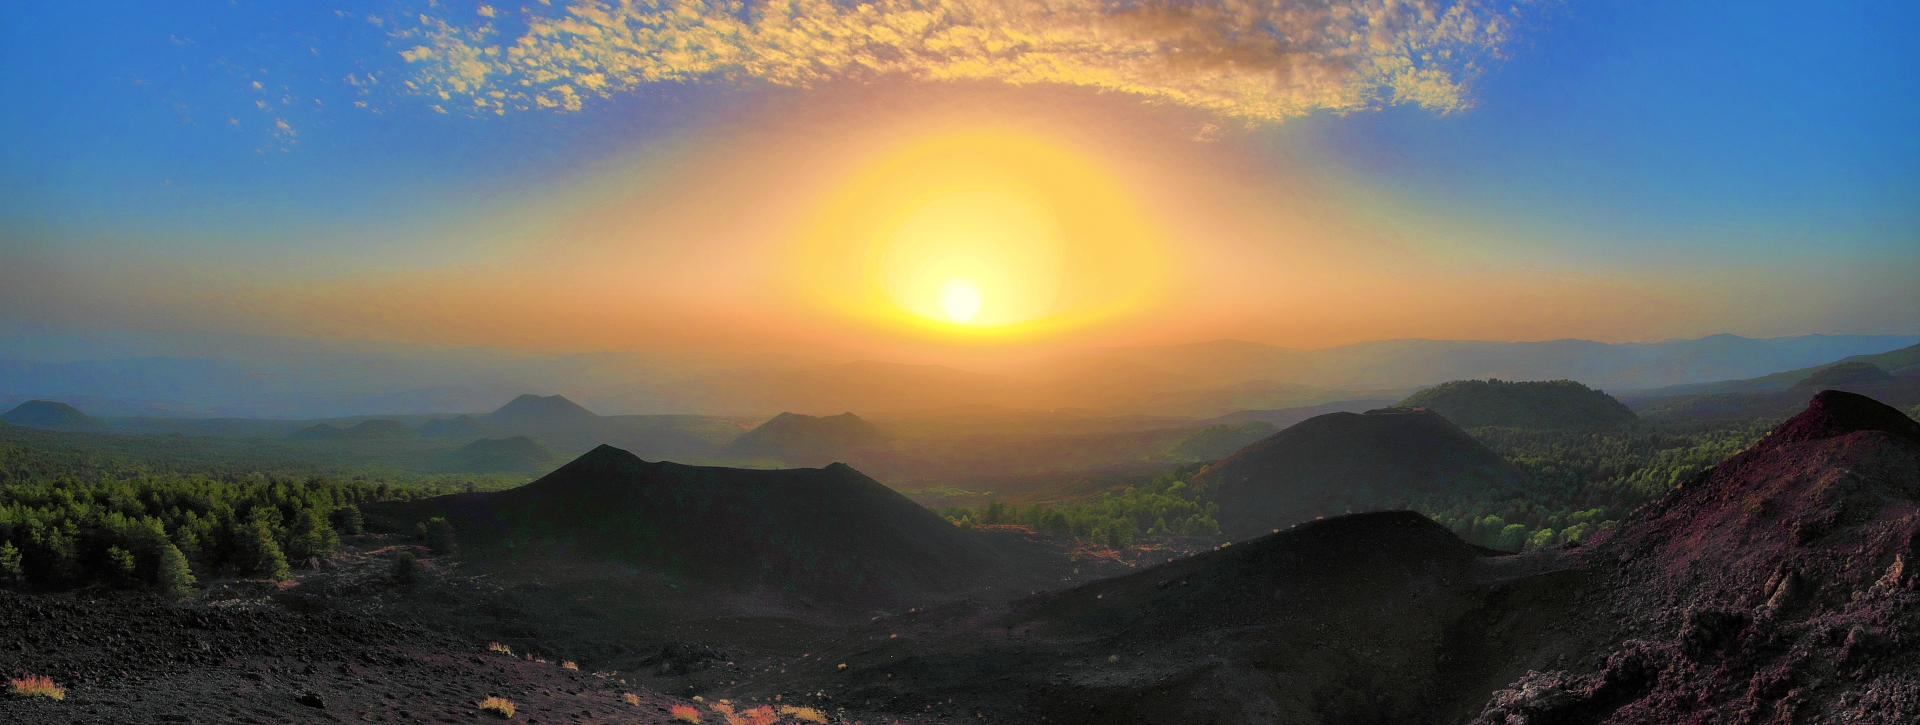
[{"x": 1256, "y": 60}]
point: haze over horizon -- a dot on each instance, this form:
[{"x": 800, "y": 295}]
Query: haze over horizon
[{"x": 972, "y": 184}]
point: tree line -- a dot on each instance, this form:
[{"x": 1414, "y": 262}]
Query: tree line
[{"x": 165, "y": 531}]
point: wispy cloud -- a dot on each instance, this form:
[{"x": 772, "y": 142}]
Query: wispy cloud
[{"x": 1255, "y": 60}]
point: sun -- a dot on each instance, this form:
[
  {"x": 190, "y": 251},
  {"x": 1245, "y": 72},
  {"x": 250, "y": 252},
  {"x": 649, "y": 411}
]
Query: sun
[
  {"x": 962, "y": 302},
  {"x": 984, "y": 233}
]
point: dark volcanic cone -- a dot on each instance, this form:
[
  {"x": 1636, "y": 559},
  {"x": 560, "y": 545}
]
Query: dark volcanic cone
[
  {"x": 1339, "y": 462},
  {"x": 1772, "y": 587},
  {"x": 831, "y": 531}
]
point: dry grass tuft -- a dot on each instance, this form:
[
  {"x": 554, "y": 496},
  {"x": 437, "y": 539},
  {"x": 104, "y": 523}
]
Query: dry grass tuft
[
  {"x": 498, "y": 706},
  {"x": 36, "y": 686},
  {"x": 569, "y": 665},
  {"x": 685, "y": 713},
  {"x": 501, "y": 648},
  {"x": 803, "y": 713},
  {"x": 631, "y": 699},
  {"x": 762, "y": 715}
]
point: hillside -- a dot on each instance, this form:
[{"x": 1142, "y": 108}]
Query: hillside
[
  {"x": 805, "y": 439},
  {"x": 1894, "y": 361},
  {"x": 831, "y": 532},
  {"x": 1381, "y": 618},
  {"x": 518, "y": 454},
  {"x": 48, "y": 415},
  {"x": 1787, "y": 565},
  {"x": 1843, "y": 374},
  {"x": 1533, "y": 404},
  {"x": 1346, "y": 462}
]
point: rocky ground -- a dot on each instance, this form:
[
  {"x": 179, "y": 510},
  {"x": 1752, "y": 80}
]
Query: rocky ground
[{"x": 346, "y": 641}]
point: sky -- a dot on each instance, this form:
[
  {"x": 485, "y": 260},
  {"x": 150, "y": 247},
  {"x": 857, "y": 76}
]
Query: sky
[{"x": 956, "y": 181}]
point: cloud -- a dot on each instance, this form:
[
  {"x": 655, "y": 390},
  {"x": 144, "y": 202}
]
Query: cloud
[{"x": 1254, "y": 60}]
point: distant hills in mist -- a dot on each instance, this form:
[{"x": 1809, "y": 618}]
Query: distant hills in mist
[{"x": 272, "y": 378}]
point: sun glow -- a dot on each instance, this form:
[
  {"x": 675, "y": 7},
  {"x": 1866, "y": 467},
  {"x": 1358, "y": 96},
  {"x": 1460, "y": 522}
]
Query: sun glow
[
  {"x": 962, "y": 302},
  {"x": 980, "y": 233}
]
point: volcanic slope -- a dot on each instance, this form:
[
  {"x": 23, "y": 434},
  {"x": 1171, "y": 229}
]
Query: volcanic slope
[
  {"x": 1775, "y": 587},
  {"x": 830, "y": 532},
  {"x": 1344, "y": 462},
  {"x": 1369, "y": 618}
]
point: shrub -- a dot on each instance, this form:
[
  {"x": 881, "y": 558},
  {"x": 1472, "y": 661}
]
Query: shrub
[
  {"x": 631, "y": 699},
  {"x": 685, "y": 713},
  {"x": 36, "y": 686},
  {"x": 569, "y": 665},
  {"x": 406, "y": 570},
  {"x": 501, "y": 648},
  {"x": 498, "y": 706},
  {"x": 439, "y": 535}
]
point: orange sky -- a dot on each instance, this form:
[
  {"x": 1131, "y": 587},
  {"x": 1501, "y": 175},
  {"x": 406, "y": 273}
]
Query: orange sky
[{"x": 771, "y": 233}]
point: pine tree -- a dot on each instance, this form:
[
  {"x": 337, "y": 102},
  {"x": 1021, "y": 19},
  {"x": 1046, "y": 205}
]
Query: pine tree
[
  {"x": 312, "y": 536},
  {"x": 122, "y": 563},
  {"x": 176, "y": 578},
  {"x": 348, "y": 520},
  {"x": 13, "y": 574},
  {"x": 267, "y": 557}
]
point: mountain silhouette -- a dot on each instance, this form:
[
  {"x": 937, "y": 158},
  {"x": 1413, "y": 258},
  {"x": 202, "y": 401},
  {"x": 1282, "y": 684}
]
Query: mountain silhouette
[
  {"x": 832, "y": 532},
  {"x": 50, "y": 415},
  {"x": 1344, "y": 462},
  {"x": 1539, "y": 404},
  {"x": 534, "y": 410},
  {"x": 805, "y": 439}
]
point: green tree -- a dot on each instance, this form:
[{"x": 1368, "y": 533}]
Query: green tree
[
  {"x": 312, "y": 536},
  {"x": 120, "y": 563},
  {"x": 13, "y": 574},
  {"x": 267, "y": 558},
  {"x": 176, "y": 578},
  {"x": 348, "y": 520}
]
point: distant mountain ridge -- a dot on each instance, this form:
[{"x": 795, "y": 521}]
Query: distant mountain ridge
[
  {"x": 306, "y": 379},
  {"x": 1892, "y": 362}
]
